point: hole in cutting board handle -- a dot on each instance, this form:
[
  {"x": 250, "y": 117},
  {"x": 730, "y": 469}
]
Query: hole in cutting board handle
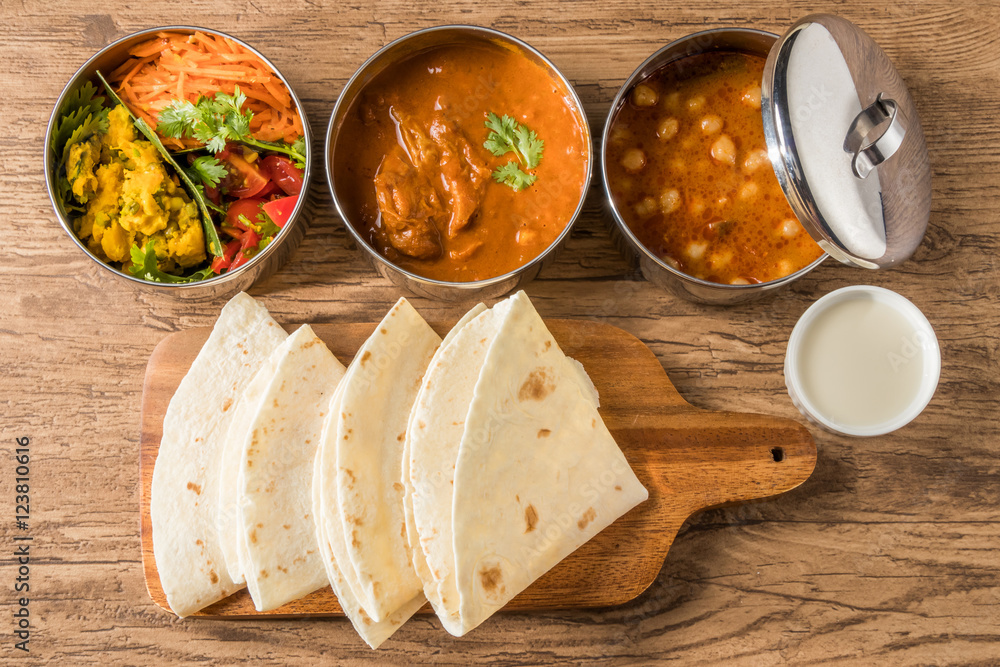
[{"x": 778, "y": 454}]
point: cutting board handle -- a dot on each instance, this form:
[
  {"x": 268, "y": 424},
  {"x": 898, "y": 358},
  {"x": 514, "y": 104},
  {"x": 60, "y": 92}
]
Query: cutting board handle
[{"x": 712, "y": 459}]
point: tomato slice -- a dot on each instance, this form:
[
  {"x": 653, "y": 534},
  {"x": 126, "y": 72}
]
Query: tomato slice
[
  {"x": 249, "y": 241},
  {"x": 220, "y": 264},
  {"x": 284, "y": 173},
  {"x": 245, "y": 179},
  {"x": 280, "y": 210},
  {"x": 248, "y": 207}
]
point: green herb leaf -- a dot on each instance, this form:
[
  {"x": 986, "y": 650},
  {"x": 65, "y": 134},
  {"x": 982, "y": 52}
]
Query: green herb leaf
[
  {"x": 211, "y": 235},
  {"x": 209, "y": 170},
  {"x": 509, "y": 136},
  {"x": 145, "y": 266},
  {"x": 215, "y": 121},
  {"x": 79, "y": 105},
  {"x": 510, "y": 174}
]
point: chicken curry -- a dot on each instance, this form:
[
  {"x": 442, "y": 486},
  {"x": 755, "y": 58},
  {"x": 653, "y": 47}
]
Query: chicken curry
[{"x": 462, "y": 163}]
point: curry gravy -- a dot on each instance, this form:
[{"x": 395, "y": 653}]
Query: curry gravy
[{"x": 418, "y": 182}]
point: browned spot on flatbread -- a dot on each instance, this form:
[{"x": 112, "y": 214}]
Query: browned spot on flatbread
[
  {"x": 593, "y": 423},
  {"x": 253, "y": 537},
  {"x": 354, "y": 540},
  {"x": 350, "y": 474},
  {"x": 537, "y": 386},
  {"x": 397, "y": 486},
  {"x": 401, "y": 437},
  {"x": 383, "y": 331},
  {"x": 263, "y": 574},
  {"x": 276, "y": 403},
  {"x": 286, "y": 526},
  {"x": 491, "y": 579},
  {"x": 544, "y": 432},
  {"x": 548, "y": 344},
  {"x": 228, "y": 404},
  {"x": 587, "y": 517},
  {"x": 283, "y": 569},
  {"x": 530, "y": 518},
  {"x": 213, "y": 577},
  {"x": 194, "y": 487},
  {"x": 310, "y": 343},
  {"x": 199, "y": 542},
  {"x": 365, "y": 357},
  {"x": 618, "y": 487}
]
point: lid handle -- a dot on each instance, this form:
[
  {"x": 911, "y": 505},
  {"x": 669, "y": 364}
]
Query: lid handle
[{"x": 875, "y": 135}]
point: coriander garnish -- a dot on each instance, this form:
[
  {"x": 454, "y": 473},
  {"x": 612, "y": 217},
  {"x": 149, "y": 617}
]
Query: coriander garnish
[{"x": 509, "y": 136}]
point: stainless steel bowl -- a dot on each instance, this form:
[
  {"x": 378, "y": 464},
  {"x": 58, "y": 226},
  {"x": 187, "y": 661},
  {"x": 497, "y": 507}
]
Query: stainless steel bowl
[
  {"x": 399, "y": 50},
  {"x": 264, "y": 263},
  {"x": 655, "y": 270}
]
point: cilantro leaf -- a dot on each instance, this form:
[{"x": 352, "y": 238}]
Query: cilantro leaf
[
  {"x": 215, "y": 121},
  {"x": 509, "y": 136},
  {"x": 510, "y": 174},
  {"x": 78, "y": 106},
  {"x": 208, "y": 170},
  {"x": 145, "y": 266}
]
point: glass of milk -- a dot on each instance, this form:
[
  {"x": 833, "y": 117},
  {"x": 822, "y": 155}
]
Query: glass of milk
[{"x": 862, "y": 361}]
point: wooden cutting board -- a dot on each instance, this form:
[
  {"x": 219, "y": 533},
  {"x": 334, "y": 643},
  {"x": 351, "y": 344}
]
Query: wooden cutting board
[{"x": 689, "y": 459}]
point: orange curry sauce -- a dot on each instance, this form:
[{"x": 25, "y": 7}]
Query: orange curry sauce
[
  {"x": 419, "y": 181},
  {"x": 688, "y": 169}
]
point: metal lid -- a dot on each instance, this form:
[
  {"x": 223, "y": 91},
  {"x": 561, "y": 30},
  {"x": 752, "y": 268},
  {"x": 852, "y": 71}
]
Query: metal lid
[{"x": 846, "y": 142}]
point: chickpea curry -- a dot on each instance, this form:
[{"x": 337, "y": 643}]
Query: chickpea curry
[
  {"x": 462, "y": 163},
  {"x": 689, "y": 172}
]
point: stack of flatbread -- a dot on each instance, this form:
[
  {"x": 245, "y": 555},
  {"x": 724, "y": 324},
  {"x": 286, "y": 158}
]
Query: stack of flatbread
[{"x": 455, "y": 471}]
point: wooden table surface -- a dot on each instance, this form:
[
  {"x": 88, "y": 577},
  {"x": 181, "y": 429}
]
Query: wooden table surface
[{"x": 888, "y": 554}]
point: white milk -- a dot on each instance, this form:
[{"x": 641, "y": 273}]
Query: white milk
[{"x": 862, "y": 361}]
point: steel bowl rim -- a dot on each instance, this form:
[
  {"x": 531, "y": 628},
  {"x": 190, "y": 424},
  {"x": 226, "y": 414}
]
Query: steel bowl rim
[
  {"x": 257, "y": 259},
  {"x": 620, "y": 221},
  {"x": 486, "y": 282}
]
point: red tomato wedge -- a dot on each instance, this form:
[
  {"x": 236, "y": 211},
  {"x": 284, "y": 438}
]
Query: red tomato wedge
[
  {"x": 245, "y": 179},
  {"x": 280, "y": 210},
  {"x": 220, "y": 264},
  {"x": 284, "y": 173},
  {"x": 248, "y": 207}
]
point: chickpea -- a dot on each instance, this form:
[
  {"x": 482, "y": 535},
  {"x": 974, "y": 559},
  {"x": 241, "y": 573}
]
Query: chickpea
[
  {"x": 718, "y": 260},
  {"x": 751, "y": 97},
  {"x": 789, "y": 228},
  {"x": 711, "y": 124},
  {"x": 696, "y": 207},
  {"x": 784, "y": 268},
  {"x": 670, "y": 261},
  {"x": 667, "y": 128},
  {"x": 696, "y": 250},
  {"x": 749, "y": 190},
  {"x": 634, "y": 160},
  {"x": 620, "y": 134},
  {"x": 696, "y": 103},
  {"x": 739, "y": 281},
  {"x": 722, "y": 202},
  {"x": 724, "y": 150},
  {"x": 755, "y": 159},
  {"x": 677, "y": 165},
  {"x": 670, "y": 201},
  {"x": 673, "y": 100},
  {"x": 644, "y": 96},
  {"x": 646, "y": 207}
]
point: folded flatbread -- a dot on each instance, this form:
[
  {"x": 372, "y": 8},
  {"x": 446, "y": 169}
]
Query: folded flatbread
[
  {"x": 537, "y": 472},
  {"x": 419, "y": 408},
  {"x": 379, "y": 390},
  {"x": 374, "y": 633},
  {"x": 433, "y": 438},
  {"x": 184, "y": 497},
  {"x": 279, "y": 554},
  {"x": 227, "y": 518}
]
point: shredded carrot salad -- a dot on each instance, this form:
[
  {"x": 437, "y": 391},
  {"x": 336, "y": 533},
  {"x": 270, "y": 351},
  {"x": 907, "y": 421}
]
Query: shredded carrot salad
[{"x": 175, "y": 66}]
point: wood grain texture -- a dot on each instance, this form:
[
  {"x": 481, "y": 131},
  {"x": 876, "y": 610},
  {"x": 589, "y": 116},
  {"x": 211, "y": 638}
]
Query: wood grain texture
[
  {"x": 688, "y": 459},
  {"x": 888, "y": 554}
]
